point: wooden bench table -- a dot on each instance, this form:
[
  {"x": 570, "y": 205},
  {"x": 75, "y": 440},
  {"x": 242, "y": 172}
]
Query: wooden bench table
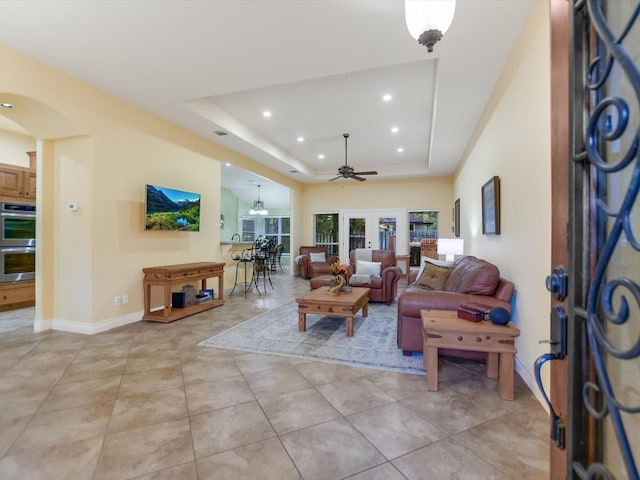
[
  {"x": 443, "y": 329},
  {"x": 167, "y": 275}
]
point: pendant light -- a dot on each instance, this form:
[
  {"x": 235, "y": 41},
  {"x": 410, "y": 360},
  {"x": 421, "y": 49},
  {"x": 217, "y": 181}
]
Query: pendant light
[
  {"x": 428, "y": 20},
  {"x": 258, "y": 206}
]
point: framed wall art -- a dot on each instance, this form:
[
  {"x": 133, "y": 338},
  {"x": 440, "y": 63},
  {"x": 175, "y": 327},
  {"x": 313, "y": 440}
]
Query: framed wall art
[
  {"x": 491, "y": 207},
  {"x": 456, "y": 218}
]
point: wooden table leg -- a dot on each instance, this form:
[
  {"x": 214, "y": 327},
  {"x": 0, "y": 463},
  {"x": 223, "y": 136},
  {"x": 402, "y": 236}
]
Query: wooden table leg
[
  {"x": 431, "y": 366},
  {"x": 505, "y": 381},
  {"x": 302, "y": 322},
  {"x": 492, "y": 364},
  {"x": 167, "y": 300},
  {"x": 147, "y": 299},
  {"x": 350, "y": 326},
  {"x": 365, "y": 308}
]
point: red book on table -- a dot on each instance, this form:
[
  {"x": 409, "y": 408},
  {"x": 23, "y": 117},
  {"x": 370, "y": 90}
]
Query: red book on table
[{"x": 470, "y": 315}]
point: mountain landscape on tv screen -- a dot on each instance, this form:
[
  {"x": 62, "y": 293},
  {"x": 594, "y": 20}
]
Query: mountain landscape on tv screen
[{"x": 168, "y": 209}]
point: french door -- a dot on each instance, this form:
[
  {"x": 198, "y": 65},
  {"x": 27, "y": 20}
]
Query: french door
[
  {"x": 596, "y": 403},
  {"x": 375, "y": 229}
]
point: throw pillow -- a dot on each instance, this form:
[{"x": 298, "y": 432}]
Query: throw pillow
[
  {"x": 434, "y": 261},
  {"x": 433, "y": 277},
  {"x": 368, "y": 268},
  {"x": 319, "y": 257}
]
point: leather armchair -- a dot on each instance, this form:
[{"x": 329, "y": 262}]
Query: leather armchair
[
  {"x": 383, "y": 288},
  {"x": 309, "y": 269}
]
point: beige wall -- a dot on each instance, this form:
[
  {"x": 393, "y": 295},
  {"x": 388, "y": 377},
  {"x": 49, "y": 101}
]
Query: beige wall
[
  {"x": 14, "y": 148},
  {"x": 72, "y": 236},
  {"x": 514, "y": 144}
]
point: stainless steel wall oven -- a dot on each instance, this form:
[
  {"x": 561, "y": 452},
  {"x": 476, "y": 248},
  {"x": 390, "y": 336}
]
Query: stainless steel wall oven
[
  {"x": 17, "y": 242},
  {"x": 17, "y": 225},
  {"x": 17, "y": 264}
]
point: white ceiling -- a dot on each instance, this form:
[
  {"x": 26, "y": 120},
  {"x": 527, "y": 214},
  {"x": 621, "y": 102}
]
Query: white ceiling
[{"x": 320, "y": 66}]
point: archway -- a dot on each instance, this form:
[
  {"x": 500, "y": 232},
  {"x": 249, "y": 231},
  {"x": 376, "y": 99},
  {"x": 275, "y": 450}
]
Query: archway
[{"x": 46, "y": 125}]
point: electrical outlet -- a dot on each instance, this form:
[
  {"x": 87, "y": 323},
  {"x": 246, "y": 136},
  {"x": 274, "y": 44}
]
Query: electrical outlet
[
  {"x": 125, "y": 298},
  {"x": 116, "y": 300}
]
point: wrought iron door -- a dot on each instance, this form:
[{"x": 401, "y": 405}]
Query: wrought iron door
[{"x": 603, "y": 430}]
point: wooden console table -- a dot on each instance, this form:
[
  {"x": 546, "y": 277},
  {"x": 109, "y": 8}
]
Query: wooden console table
[{"x": 187, "y": 272}]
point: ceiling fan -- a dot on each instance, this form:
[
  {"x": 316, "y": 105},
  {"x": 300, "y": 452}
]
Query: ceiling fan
[{"x": 347, "y": 171}]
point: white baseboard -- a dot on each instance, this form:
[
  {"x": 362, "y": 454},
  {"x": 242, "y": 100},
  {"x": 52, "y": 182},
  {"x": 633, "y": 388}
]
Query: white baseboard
[
  {"x": 529, "y": 378},
  {"x": 41, "y": 325},
  {"x": 86, "y": 328}
]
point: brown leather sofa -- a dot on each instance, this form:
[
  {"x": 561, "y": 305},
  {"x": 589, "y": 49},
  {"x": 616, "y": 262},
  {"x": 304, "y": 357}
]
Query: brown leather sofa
[
  {"x": 309, "y": 269},
  {"x": 470, "y": 280},
  {"x": 385, "y": 287}
]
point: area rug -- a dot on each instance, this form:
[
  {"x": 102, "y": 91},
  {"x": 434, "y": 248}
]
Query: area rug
[{"x": 373, "y": 344}]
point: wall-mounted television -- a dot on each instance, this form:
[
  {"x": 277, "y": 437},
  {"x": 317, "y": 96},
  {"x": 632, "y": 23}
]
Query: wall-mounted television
[{"x": 170, "y": 209}]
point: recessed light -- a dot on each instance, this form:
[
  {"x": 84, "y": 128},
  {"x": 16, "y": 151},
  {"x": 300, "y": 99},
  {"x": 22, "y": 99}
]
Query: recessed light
[
  {"x": 300, "y": 139},
  {"x": 266, "y": 113},
  {"x": 394, "y": 129},
  {"x": 321, "y": 156},
  {"x": 293, "y": 171},
  {"x": 6, "y": 105},
  {"x": 227, "y": 164},
  {"x": 386, "y": 97},
  {"x": 400, "y": 150}
]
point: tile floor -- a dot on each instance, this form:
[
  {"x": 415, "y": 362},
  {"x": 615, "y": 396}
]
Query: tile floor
[{"x": 145, "y": 402}]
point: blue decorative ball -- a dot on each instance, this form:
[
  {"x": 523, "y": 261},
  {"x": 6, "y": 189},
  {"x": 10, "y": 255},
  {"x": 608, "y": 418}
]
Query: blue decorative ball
[{"x": 499, "y": 315}]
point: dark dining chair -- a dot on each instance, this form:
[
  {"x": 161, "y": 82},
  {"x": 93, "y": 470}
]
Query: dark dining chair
[{"x": 278, "y": 258}]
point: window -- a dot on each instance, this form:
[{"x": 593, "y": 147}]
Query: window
[
  {"x": 248, "y": 229},
  {"x": 326, "y": 232},
  {"x": 423, "y": 224},
  {"x": 278, "y": 229}
]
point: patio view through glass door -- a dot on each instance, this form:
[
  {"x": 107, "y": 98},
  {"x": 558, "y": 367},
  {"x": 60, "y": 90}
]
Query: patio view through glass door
[
  {"x": 326, "y": 230},
  {"x": 374, "y": 229}
]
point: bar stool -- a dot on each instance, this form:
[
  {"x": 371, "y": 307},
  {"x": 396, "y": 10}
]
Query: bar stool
[
  {"x": 261, "y": 269},
  {"x": 244, "y": 258}
]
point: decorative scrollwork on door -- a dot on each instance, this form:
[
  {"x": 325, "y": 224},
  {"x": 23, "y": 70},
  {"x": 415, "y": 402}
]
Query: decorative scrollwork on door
[{"x": 610, "y": 130}]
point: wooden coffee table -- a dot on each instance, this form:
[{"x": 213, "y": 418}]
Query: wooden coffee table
[
  {"x": 443, "y": 329},
  {"x": 343, "y": 304}
]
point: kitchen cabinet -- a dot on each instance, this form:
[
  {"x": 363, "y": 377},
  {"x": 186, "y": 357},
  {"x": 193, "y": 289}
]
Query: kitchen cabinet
[
  {"x": 17, "y": 181},
  {"x": 17, "y": 295}
]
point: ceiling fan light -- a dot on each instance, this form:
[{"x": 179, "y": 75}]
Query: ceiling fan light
[{"x": 428, "y": 20}]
